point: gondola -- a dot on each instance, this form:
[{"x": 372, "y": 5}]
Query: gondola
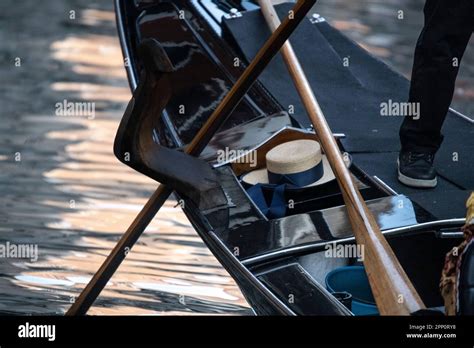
[{"x": 182, "y": 57}]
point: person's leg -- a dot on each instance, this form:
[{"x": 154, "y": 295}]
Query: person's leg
[{"x": 440, "y": 47}]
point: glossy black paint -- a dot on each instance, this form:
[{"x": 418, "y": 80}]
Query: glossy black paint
[
  {"x": 198, "y": 83},
  {"x": 205, "y": 68},
  {"x": 136, "y": 147},
  {"x": 266, "y": 258},
  {"x": 303, "y": 294},
  {"x": 314, "y": 226}
]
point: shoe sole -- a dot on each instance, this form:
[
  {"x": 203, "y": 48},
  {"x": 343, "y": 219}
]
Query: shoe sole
[{"x": 417, "y": 183}]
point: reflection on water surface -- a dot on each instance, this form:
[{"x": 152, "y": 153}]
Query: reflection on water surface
[
  {"x": 68, "y": 194},
  {"x": 63, "y": 190}
]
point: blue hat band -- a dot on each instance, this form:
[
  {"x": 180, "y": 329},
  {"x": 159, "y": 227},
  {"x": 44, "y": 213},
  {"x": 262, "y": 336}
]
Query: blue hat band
[{"x": 300, "y": 179}]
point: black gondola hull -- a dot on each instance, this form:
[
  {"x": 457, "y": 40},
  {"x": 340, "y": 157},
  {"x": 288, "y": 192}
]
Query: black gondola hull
[{"x": 279, "y": 264}]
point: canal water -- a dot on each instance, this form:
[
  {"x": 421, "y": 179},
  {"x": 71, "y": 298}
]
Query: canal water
[{"x": 62, "y": 190}]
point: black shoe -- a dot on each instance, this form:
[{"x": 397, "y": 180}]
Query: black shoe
[{"x": 417, "y": 170}]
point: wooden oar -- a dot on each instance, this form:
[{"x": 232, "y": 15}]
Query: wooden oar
[
  {"x": 393, "y": 291},
  {"x": 218, "y": 117}
]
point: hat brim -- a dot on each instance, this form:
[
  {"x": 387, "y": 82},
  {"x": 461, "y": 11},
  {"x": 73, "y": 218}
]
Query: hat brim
[{"x": 260, "y": 176}]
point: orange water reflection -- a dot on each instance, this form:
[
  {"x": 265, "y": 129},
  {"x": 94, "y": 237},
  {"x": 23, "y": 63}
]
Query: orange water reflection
[{"x": 69, "y": 195}]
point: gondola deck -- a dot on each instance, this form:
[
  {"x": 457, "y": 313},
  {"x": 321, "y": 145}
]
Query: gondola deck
[
  {"x": 351, "y": 85},
  {"x": 271, "y": 259}
]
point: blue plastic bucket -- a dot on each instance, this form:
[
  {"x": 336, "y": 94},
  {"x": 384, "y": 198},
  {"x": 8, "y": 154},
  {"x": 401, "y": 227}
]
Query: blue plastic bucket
[{"x": 353, "y": 280}]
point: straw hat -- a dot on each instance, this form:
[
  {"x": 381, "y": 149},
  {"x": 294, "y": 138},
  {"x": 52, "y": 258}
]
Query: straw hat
[{"x": 300, "y": 163}]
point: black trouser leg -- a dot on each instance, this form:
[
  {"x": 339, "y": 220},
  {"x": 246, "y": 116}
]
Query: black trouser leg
[{"x": 439, "y": 50}]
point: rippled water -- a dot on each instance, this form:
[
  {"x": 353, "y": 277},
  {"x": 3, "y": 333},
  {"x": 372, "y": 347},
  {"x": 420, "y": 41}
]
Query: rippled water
[
  {"x": 63, "y": 190},
  {"x": 68, "y": 194}
]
